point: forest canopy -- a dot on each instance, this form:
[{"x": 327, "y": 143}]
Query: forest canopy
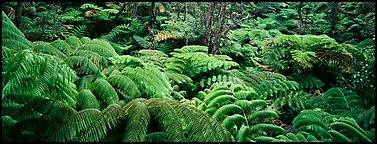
[{"x": 188, "y": 71}]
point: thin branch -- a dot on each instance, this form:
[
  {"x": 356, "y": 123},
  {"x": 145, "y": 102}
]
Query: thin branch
[{"x": 351, "y": 18}]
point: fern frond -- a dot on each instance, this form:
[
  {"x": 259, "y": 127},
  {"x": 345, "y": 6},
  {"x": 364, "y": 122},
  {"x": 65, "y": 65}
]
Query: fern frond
[
  {"x": 263, "y": 127},
  {"x": 104, "y": 91},
  {"x": 143, "y": 42},
  {"x": 78, "y": 31},
  {"x": 97, "y": 59},
  {"x": 163, "y": 35},
  {"x": 125, "y": 86},
  {"x": 73, "y": 41},
  {"x": 53, "y": 110},
  {"x": 34, "y": 75},
  {"x": 339, "y": 136},
  {"x": 156, "y": 137},
  {"x": 138, "y": 122},
  {"x": 340, "y": 99},
  {"x": 72, "y": 128},
  {"x": 242, "y": 134},
  {"x": 62, "y": 46},
  {"x": 85, "y": 40},
  {"x": 233, "y": 120},
  {"x": 48, "y": 49},
  {"x": 168, "y": 119},
  {"x": 154, "y": 82},
  {"x": 86, "y": 99},
  {"x": 262, "y": 115},
  {"x": 83, "y": 65},
  {"x": 11, "y": 36},
  {"x": 342, "y": 125},
  {"x": 101, "y": 47},
  {"x": 109, "y": 119},
  {"x": 211, "y": 130},
  {"x": 18, "y": 111},
  {"x": 229, "y": 109}
]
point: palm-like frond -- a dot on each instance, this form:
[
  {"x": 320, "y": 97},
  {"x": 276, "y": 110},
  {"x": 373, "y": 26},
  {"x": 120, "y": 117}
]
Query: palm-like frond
[
  {"x": 308, "y": 81},
  {"x": 74, "y": 42},
  {"x": 104, "y": 91},
  {"x": 154, "y": 83},
  {"x": 125, "y": 86},
  {"x": 109, "y": 119},
  {"x": 38, "y": 76},
  {"x": 86, "y": 99},
  {"x": 97, "y": 59},
  {"x": 62, "y": 46},
  {"x": 83, "y": 65},
  {"x": 167, "y": 119},
  {"x": 101, "y": 47},
  {"x": 138, "y": 121},
  {"x": 72, "y": 128},
  {"x": 12, "y": 37},
  {"x": 263, "y": 127},
  {"x": 48, "y": 49},
  {"x": 262, "y": 115},
  {"x": 340, "y": 99},
  {"x": 210, "y": 131}
]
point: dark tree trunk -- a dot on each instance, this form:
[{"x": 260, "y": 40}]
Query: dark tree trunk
[
  {"x": 334, "y": 19},
  {"x": 120, "y": 11},
  {"x": 185, "y": 21},
  {"x": 19, "y": 9},
  {"x": 301, "y": 20},
  {"x": 219, "y": 29},
  {"x": 207, "y": 39},
  {"x": 153, "y": 20},
  {"x": 153, "y": 14}
]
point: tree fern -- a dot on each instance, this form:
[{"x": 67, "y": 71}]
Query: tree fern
[
  {"x": 293, "y": 100},
  {"x": 12, "y": 37},
  {"x": 339, "y": 99},
  {"x": 125, "y": 86},
  {"x": 83, "y": 65},
  {"x": 38, "y": 76},
  {"x": 48, "y": 49},
  {"x": 138, "y": 121},
  {"x": 143, "y": 42},
  {"x": 109, "y": 119},
  {"x": 308, "y": 81},
  {"x": 104, "y": 91},
  {"x": 304, "y": 59},
  {"x": 86, "y": 99},
  {"x": 101, "y": 47},
  {"x": 154, "y": 83},
  {"x": 163, "y": 35},
  {"x": 70, "y": 130},
  {"x": 62, "y": 46},
  {"x": 73, "y": 41},
  {"x": 97, "y": 59},
  {"x": 78, "y": 31}
]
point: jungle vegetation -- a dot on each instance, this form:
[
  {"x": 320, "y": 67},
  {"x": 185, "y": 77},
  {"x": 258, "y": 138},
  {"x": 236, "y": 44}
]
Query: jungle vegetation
[{"x": 188, "y": 72}]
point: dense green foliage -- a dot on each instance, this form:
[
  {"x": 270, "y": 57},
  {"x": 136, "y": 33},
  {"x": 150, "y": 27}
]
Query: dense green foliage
[{"x": 144, "y": 72}]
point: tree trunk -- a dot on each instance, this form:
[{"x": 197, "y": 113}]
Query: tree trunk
[
  {"x": 207, "y": 39},
  {"x": 185, "y": 20},
  {"x": 334, "y": 19},
  {"x": 120, "y": 11},
  {"x": 301, "y": 20},
  {"x": 19, "y": 9},
  {"x": 153, "y": 14},
  {"x": 219, "y": 29}
]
